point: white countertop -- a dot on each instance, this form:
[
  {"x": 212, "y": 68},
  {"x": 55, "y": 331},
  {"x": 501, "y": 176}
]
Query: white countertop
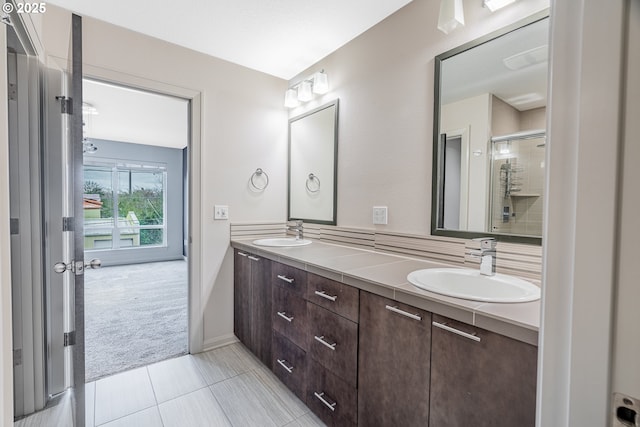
[{"x": 386, "y": 275}]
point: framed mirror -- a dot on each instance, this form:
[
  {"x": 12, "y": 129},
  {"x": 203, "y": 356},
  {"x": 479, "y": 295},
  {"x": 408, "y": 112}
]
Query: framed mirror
[
  {"x": 313, "y": 155},
  {"x": 489, "y": 135}
]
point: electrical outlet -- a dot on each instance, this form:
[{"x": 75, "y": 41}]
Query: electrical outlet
[
  {"x": 220, "y": 212},
  {"x": 380, "y": 215}
]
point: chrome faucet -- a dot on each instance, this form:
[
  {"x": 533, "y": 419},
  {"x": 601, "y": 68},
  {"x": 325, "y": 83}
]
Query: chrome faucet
[
  {"x": 487, "y": 255},
  {"x": 297, "y": 228}
]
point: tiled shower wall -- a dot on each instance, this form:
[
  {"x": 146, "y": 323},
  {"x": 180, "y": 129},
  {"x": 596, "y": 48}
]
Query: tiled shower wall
[{"x": 526, "y": 204}]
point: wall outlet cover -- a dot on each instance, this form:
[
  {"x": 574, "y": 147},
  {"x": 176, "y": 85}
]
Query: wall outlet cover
[
  {"x": 380, "y": 215},
  {"x": 220, "y": 212}
]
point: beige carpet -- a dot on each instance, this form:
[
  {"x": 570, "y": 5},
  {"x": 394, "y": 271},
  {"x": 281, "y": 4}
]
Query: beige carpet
[{"x": 134, "y": 315}]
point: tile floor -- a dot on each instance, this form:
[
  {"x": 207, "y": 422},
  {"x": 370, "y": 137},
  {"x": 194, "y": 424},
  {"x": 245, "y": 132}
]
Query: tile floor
[{"x": 227, "y": 386}]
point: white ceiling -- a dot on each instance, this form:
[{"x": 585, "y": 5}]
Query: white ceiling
[
  {"x": 482, "y": 70},
  {"x": 278, "y": 37},
  {"x": 129, "y": 115}
]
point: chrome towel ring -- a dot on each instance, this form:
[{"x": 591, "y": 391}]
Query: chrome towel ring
[
  {"x": 257, "y": 174},
  {"x": 312, "y": 179}
]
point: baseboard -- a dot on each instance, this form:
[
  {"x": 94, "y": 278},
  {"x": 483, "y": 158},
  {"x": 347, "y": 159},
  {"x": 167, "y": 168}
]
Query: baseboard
[{"x": 216, "y": 342}]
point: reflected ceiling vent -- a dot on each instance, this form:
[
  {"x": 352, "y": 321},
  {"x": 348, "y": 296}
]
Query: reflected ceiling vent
[{"x": 525, "y": 59}]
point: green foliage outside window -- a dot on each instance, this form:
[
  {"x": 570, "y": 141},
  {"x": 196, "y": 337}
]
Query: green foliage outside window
[{"x": 147, "y": 204}]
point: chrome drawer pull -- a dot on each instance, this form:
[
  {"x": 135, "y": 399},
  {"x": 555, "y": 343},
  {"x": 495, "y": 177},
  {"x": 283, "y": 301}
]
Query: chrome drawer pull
[
  {"x": 241, "y": 253},
  {"x": 252, "y": 258},
  {"x": 288, "y": 369},
  {"x": 321, "y": 397},
  {"x": 323, "y": 294},
  {"x": 285, "y": 278},
  {"x": 404, "y": 313},
  {"x": 444, "y": 326},
  {"x": 321, "y": 340},
  {"x": 283, "y": 314}
]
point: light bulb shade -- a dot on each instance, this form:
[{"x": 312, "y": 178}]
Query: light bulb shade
[
  {"x": 304, "y": 91},
  {"x": 494, "y": 5},
  {"x": 320, "y": 83},
  {"x": 451, "y": 15},
  {"x": 291, "y": 98}
]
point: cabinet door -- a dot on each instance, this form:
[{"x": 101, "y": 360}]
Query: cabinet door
[
  {"x": 290, "y": 278},
  {"x": 333, "y": 342},
  {"x": 261, "y": 308},
  {"x": 331, "y": 398},
  {"x": 337, "y": 297},
  {"x": 394, "y": 363},
  {"x": 242, "y": 297},
  {"x": 289, "y": 314},
  {"x": 491, "y": 382},
  {"x": 290, "y": 365}
]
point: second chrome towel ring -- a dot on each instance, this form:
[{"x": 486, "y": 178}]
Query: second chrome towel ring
[
  {"x": 259, "y": 173},
  {"x": 315, "y": 183}
]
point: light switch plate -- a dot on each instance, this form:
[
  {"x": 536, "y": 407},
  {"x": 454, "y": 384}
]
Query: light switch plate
[
  {"x": 380, "y": 215},
  {"x": 220, "y": 212}
]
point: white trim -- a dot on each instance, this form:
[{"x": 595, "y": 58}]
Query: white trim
[
  {"x": 213, "y": 343},
  {"x": 196, "y": 315},
  {"x": 6, "y": 360},
  {"x": 578, "y": 252}
]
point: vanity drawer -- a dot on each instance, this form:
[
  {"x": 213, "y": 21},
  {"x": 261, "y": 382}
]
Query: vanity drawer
[
  {"x": 290, "y": 278},
  {"x": 334, "y": 296},
  {"x": 331, "y": 398},
  {"x": 289, "y": 364},
  {"x": 333, "y": 342},
  {"x": 290, "y": 316}
]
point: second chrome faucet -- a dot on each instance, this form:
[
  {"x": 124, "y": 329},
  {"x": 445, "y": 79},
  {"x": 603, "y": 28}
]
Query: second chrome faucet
[
  {"x": 298, "y": 228},
  {"x": 487, "y": 255}
]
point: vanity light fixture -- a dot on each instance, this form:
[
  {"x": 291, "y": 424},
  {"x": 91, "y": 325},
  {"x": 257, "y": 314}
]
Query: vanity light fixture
[
  {"x": 291, "y": 98},
  {"x": 451, "y": 15},
  {"x": 304, "y": 90},
  {"x": 320, "y": 83},
  {"x": 494, "y": 5}
]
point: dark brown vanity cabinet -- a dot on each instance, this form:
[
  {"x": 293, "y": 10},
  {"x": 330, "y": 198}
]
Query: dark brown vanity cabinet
[
  {"x": 332, "y": 374},
  {"x": 289, "y": 319},
  {"x": 252, "y": 303},
  {"x": 480, "y": 378},
  {"x": 290, "y": 365},
  {"x": 289, "y": 316},
  {"x": 393, "y": 363},
  {"x": 356, "y": 358}
]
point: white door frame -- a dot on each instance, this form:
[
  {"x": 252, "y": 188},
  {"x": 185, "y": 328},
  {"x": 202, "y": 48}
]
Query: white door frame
[
  {"x": 196, "y": 333},
  {"x": 580, "y": 214}
]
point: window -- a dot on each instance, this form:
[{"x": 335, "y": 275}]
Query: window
[{"x": 124, "y": 205}]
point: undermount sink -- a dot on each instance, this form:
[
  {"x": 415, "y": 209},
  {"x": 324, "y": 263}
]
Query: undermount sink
[
  {"x": 282, "y": 242},
  {"x": 470, "y": 284}
]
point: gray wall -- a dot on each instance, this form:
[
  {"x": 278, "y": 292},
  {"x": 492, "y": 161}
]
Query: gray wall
[{"x": 173, "y": 158}]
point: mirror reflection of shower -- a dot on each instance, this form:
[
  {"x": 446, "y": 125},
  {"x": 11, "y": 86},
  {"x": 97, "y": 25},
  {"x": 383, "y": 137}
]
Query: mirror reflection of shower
[
  {"x": 517, "y": 183},
  {"x": 88, "y": 111}
]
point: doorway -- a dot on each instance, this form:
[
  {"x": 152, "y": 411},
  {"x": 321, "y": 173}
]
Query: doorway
[{"x": 135, "y": 222}]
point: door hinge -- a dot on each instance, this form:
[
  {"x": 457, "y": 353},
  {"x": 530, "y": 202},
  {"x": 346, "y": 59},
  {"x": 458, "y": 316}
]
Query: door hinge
[
  {"x": 13, "y": 92},
  {"x": 15, "y": 226},
  {"x": 17, "y": 357},
  {"x": 69, "y": 338},
  {"x": 67, "y": 223},
  {"x": 66, "y": 107}
]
